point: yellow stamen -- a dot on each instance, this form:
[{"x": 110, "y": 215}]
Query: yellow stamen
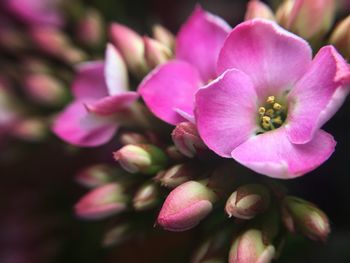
[
  {"x": 262, "y": 110},
  {"x": 277, "y": 106},
  {"x": 270, "y": 112},
  {"x": 277, "y": 120},
  {"x": 271, "y": 99}
]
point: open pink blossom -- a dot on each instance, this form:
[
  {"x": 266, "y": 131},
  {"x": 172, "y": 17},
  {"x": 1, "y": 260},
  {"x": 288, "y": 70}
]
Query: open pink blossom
[
  {"x": 36, "y": 12},
  {"x": 169, "y": 89},
  {"x": 266, "y": 108},
  {"x": 100, "y": 90}
]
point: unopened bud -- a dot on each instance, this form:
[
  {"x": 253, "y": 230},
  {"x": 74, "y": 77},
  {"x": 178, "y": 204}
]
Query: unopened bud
[
  {"x": 155, "y": 52},
  {"x": 131, "y": 47},
  {"x": 340, "y": 37},
  {"x": 146, "y": 197},
  {"x": 141, "y": 158},
  {"x": 102, "y": 202},
  {"x": 307, "y": 18},
  {"x": 186, "y": 206},
  {"x": 132, "y": 138},
  {"x": 45, "y": 89},
  {"x": 308, "y": 219},
  {"x": 30, "y": 129},
  {"x": 95, "y": 175},
  {"x": 117, "y": 235},
  {"x": 250, "y": 247},
  {"x": 90, "y": 30},
  {"x": 178, "y": 174},
  {"x": 258, "y": 9},
  {"x": 164, "y": 36},
  {"x": 248, "y": 201},
  {"x": 187, "y": 140}
]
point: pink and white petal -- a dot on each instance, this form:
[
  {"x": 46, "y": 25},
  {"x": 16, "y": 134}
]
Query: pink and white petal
[
  {"x": 77, "y": 126},
  {"x": 226, "y": 112},
  {"x": 169, "y": 87},
  {"x": 318, "y": 95},
  {"x": 112, "y": 104},
  {"x": 89, "y": 82},
  {"x": 185, "y": 115},
  {"x": 200, "y": 40},
  {"x": 115, "y": 71},
  {"x": 274, "y": 58},
  {"x": 272, "y": 154}
]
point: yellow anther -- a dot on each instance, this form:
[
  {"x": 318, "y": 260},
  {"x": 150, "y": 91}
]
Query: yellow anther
[
  {"x": 271, "y": 99},
  {"x": 262, "y": 110},
  {"x": 266, "y": 122},
  {"x": 266, "y": 119},
  {"x": 270, "y": 112},
  {"x": 277, "y": 120},
  {"x": 277, "y": 106}
]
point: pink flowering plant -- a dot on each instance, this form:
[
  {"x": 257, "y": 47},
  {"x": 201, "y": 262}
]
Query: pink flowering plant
[{"x": 246, "y": 106}]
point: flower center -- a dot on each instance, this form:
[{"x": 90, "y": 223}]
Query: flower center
[{"x": 272, "y": 115}]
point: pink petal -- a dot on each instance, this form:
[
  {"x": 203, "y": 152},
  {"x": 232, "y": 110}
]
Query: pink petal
[
  {"x": 170, "y": 87},
  {"x": 318, "y": 95},
  {"x": 272, "y": 154},
  {"x": 273, "y": 57},
  {"x": 115, "y": 71},
  {"x": 200, "y": 40},
  {"x": 112, "y": 104},
  {"x": 77, "y": 126},
  {"x": 89, "y": 82},
  {"x": 226, "y": 112}
]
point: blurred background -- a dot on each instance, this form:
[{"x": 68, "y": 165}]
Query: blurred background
[{"x": 38, "y": 189}]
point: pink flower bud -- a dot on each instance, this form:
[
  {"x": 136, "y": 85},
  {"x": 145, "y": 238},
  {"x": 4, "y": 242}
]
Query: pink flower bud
[
  {"x": 186, "y": 139},
  {"x": 44, "y": 89},
  {"x": 340, "y": 37},
  {"x": 155, "y": 52},
  {"x": 164, "y": 36},
  {"x": 131, "y": 47},
  {"x": 102, "y": 202},
  {"x": 90, "y": 29},
  {"x": 30, "y": 129},
  {"x": 146, "y": 197},
  {"x": 307, "y": 218},
  {"x": 250, "y": 247},
  {"x": 95, "y": 175},
  {"x": 142, "y": 158},
  {"x": 117, "y": 235},
  {"x": 132, "y": 138},
  {"x": 248, "y": 201},
  {"x": 186, "y": 206},
  {"x": 258, "y": 9},
  {"x": 178, "y": 174},
  {"x": 307, "y": 18}
]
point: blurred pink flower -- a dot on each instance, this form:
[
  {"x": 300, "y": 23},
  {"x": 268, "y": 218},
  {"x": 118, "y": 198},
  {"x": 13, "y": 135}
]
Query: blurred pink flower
[
  {"x": 169, "y": 89},
  {"x": 267, "y": 107},
  {"x": 100, "y": 90}
]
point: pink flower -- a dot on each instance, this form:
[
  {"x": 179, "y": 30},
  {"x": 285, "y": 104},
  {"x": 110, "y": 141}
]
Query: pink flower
[
  {"x": 100, "y": 91},
  {"x": 266, "y": 108},
  {"x": 36, "y": 12},
  {"x": 169, "y": 89}
]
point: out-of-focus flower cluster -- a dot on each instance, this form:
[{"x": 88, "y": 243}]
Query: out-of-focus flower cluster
[{"x": 191, "y": 112}]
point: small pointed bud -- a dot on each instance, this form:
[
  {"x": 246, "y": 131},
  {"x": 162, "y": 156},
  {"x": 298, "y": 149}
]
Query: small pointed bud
[
  {"x": 95, "y": 175},
  {"x": 175, "y": 154},
  {"x": 146, "y": 197},
  {"x": 90, "y": 29},
  {"x": 117, "y": 235},
  {"x": 187, "y": 140},
  {"x": 141, "y": 158},
  {"x": 155, "y": 52},
  {"x": 164, "y": 36},
  {"x": 249, "y": 247},
  {"x": 309, "y": 220},
  {"x": 131, "y": 47},
  {"x": 307, "y": 18},
  {"x": 186, "y": 206},
  {"x": 248, "y": 201},
  {"x": 30, "y": 129},
  {"x": 258, "y": 9},
  {"x": 340, "y": 37},
  {"x": 45, "y": 89},
  {"x": 102, "y": 202},
  {"x": 178, "y": 174},
  {"x": 132, "y": 138}
]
